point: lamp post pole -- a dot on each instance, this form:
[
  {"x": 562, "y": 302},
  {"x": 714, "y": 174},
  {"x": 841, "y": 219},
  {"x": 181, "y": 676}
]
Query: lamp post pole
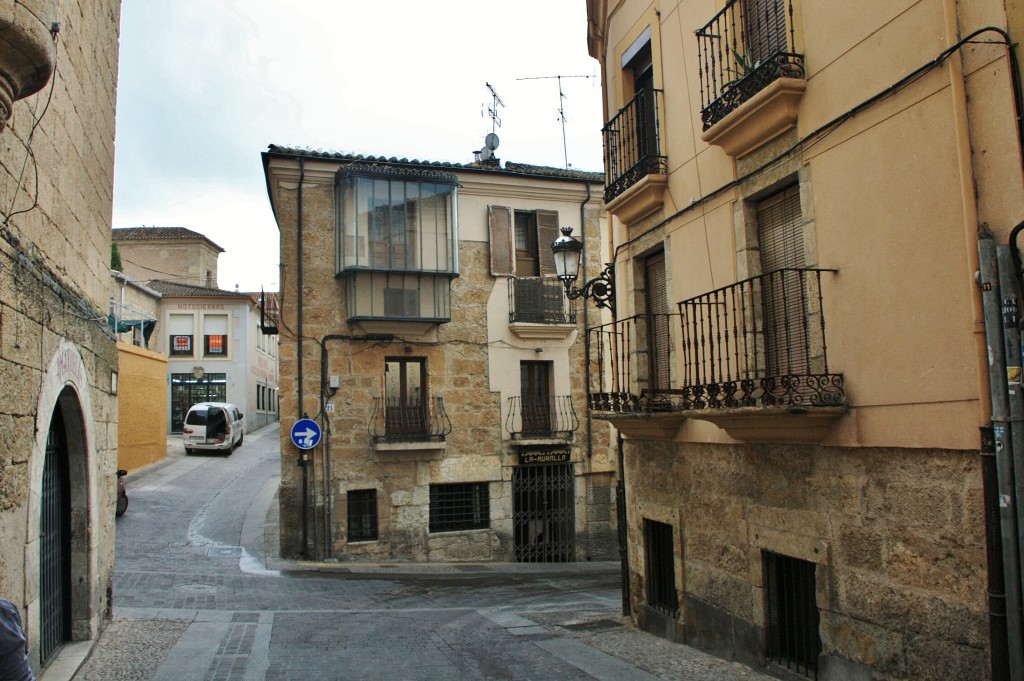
[{"x": 567, "y": 251}]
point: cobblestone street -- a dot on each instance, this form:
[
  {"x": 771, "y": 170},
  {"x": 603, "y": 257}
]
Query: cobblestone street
[{"x": 200, "y": 595}]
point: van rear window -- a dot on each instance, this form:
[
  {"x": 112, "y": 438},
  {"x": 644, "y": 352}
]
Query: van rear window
[{"x": 196, "y": 417}]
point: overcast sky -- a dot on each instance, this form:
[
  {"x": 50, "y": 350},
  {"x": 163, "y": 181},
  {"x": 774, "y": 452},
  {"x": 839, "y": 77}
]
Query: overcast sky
[{"x": 205, "y": 85}]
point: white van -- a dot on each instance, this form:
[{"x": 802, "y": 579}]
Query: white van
[{"x": 216, "y": 426}]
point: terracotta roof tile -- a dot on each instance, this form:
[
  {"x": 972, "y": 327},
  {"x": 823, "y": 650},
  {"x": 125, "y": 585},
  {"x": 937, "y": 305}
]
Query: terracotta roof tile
[{"x": 508, "y": 168}]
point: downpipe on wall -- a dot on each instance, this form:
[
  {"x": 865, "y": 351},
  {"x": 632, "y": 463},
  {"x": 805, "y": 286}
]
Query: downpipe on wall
[{"x": 1005, "y": 495}]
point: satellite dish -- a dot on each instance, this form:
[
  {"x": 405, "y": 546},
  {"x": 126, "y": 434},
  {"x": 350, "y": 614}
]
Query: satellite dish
[{"x": 491, "y": 141}]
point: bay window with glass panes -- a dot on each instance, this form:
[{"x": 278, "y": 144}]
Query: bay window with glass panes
[{"x": 397, "y": 242}]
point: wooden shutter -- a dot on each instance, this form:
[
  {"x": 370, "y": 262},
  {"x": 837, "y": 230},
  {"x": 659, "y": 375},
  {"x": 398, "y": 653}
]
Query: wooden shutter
[
  {"x": 503, "y": 248},
  {"x": 547, "y": 232},
  {"x": 659, "y": 334},
  {"x": 781, "y": 240}
]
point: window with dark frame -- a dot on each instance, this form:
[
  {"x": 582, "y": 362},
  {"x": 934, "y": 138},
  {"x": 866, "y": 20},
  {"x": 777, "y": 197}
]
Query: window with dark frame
[
  {"x": 527, "y": 261},
  {"x": 794, "y": 641},
  {"x": 215, "y": 345},
  {"x": 659, "y": 550},
  {"x": 535, "y": 391},
  {"x": 781, "y": 245},
  {"x": 362, "y": 515},
  {"x": 181, "y": 345},
  {"x": 405, "y": 395},
  {"x": 459, "y": 506}
]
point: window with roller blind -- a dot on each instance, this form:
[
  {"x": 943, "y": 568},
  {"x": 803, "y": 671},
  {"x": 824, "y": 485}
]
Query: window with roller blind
[
  {"x": 182, "y": 327},
  {"x": 780, "y": 233},
  {"x": 659, "y": 337},
  {"x": 215, "y": 335}
]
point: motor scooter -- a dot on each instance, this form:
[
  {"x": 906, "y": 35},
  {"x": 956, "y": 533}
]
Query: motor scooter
[{"x": 122, "y": 493}]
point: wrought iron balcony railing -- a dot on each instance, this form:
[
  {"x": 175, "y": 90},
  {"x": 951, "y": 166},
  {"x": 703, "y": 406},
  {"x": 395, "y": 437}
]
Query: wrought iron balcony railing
[
  {"x": 409, "y": 421},
  {"x": 632, "y": 144},
  {"x": 539, "y": 301},
  {"x": 743, "y": 49},
  {"x": 541, "y": 417},
  {"x": 757, "y": 343}
]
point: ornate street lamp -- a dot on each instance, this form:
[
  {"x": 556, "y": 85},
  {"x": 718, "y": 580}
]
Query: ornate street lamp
[{"x": 601, "y": 289}]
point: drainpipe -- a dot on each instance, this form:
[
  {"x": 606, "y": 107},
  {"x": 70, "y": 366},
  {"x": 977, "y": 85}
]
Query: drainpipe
[
  {"x": 328, "y": 468},
  {"x": 999, "y": 647},
  {"x": 990, "y": 295},
  {"x": 586, "y": 330},
  {"x": 304, "y": 457}
]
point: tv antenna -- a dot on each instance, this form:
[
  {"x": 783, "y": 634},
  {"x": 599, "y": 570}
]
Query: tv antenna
[
  {"x": 561, "y": 106},
  {"x": 492, "y": 111}
]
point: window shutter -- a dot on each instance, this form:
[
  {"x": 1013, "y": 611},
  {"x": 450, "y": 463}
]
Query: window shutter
[
  {"x": 547, "y": 232},
  {"x": 659, "y": 335},
  {"x": 780, "y": 237},
  {"x": 499, "y": 221}
]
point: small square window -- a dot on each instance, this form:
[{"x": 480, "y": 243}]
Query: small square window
[
  {"x": 463, "y": 506},
  {"x": 362, "y": 515},
  {"x": 181, "y": 345},
  {"x": 216, "y": 346}
]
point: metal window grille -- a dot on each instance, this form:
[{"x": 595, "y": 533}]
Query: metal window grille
[
  {"x": 459, "y": 506},
  {"x": 661, "y": 573},
  {"x": 792, "y": 613},
  {"x": 362, "y": 515}
]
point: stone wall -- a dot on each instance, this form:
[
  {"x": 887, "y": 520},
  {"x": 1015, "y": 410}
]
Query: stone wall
[
  {"x": 457, "y": 357},
  {"x": 56, "y": 183},
  {"x": 897, "y": 536}
]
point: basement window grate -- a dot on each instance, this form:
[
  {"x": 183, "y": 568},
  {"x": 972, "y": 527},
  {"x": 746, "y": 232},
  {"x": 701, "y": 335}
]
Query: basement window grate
[
  {"x": 661, "y": 573},
  {"x": 362, "y": 515},
  {"x": 459, "y": 506},
  {"x": 792, "y": 613}
]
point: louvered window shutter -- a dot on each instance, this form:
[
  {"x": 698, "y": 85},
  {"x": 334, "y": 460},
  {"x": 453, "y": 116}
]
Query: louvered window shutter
[
  {"x": 781, "y": 240},
  {"x": 499, "y": 221},
  {"x": 659, "y": 335},
  {"x": 547, "y": 232}
]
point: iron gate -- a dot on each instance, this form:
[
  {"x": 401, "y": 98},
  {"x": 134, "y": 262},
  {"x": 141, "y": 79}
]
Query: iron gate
[
  {"x": 55, "y": 544},
  {"x": 544, "y": 514}
]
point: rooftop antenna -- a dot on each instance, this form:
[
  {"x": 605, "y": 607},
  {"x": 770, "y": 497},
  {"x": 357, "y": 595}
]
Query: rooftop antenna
[
  {"x": 492, "y": 111},
  {"x": 561, "y": 107}
]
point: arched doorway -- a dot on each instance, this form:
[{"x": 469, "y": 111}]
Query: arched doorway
[
  {"x": 55, "y": 542},
  {"x": 63, "y": 528}
]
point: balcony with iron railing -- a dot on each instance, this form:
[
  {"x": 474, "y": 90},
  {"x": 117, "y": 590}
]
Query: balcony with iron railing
[
  {"x": 753, "y": 358},
  {"x": 751, "y": 77},
  {"x": 396, "y": 424},
  {"x": 538, "y": 308},
  {"x": 529, "y": 420},
  {"x": 635, "y": 166}
]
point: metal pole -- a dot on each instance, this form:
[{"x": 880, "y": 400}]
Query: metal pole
[
  {"x": 620, "y": 510},
  {"x": 989, "y": 282},
  {"x": 999, "y": 643}
]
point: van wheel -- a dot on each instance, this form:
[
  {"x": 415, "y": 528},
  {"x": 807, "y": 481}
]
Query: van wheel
[
  {"x": 240, "y": 439},
  {"x": 189, "y": 450}
]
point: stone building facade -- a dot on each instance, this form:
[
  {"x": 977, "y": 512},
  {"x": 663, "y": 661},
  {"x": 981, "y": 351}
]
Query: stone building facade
[
  {"x": 440, "y": 359},
  {"x": 796, "y": 194},
  {"x": 174, "y": 254},
  {"x": 58, "y": 359}
]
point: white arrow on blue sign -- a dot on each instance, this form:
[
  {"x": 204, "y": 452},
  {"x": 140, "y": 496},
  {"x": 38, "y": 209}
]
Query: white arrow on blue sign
[{"x": 306, "y": 434}]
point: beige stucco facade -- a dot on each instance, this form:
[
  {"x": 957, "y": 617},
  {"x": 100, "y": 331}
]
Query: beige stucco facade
[
  {"x": 866, "y": 471},
  {"x": 473, "y": 361},
  {"x": 142, "y": 402},
  {"x": 58, "y": 360}
]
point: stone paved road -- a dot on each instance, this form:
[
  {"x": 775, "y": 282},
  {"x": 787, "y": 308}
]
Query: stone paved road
[{"x": 201, "y": 596}]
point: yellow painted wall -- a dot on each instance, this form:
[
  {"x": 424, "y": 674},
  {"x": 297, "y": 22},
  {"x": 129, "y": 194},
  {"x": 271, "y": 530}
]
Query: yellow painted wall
[{"x": 142, "y": 406}]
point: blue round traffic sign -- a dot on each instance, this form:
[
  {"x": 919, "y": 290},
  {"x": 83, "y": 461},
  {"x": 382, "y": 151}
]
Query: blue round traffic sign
[{"x": 306, "y": 434}]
